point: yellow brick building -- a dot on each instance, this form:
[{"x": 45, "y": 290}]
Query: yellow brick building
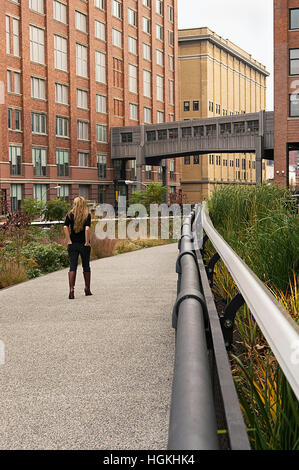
[{"x": 217, "y": 78}]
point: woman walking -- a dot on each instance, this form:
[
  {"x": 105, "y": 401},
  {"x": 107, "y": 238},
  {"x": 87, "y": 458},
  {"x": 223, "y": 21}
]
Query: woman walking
[{"x": 77, "y": 232}]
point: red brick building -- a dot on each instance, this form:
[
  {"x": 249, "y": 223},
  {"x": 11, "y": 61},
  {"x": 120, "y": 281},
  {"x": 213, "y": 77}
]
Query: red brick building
[
  {"x": 286, "y": 92},
  {"x": 69, "y": 71}
]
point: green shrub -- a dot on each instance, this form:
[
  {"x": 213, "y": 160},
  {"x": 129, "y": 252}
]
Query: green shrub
[
  {"x": 49, "y": 258},
  {"x": 33, "y": 208},
  {"x": 56, "y": 209}
]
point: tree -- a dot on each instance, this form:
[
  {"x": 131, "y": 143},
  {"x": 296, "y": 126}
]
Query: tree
[
  {"x": 154, "y": 194},
  {"x": 33, "y": 208},
  {"x": 56, "y": 209}
]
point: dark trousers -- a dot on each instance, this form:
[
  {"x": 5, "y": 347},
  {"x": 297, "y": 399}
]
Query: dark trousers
[{"x": 76, "y": 249}]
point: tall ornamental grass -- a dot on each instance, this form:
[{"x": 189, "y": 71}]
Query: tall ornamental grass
[{"x": 261, "y": 224}]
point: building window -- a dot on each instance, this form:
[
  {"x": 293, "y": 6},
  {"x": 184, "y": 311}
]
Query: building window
[
  {"x": 15, "y": 197},
  {"x": 39, "y": 123},
  {"x": 132, "y": 45},
  {"x": 199, "y": 131},
  {"x": 133, "y": 111},
  {"x": 159, "y": 57},
  {"x": 81, "y": 21},
  {"x": 294, "y": 61},
  {"x": 81, "y": 60},
  {"x": 217, "y": 109},
  {"x": 101, "y": 131},
  {"x": 82, "y": 130},
  {"x": 294, "y": 105},
  {"x": 160, "y": 117},
  {"x": 151, "y": 136},
  {"x": 196, "y": 159},
  {"x": 171, "y": 63},
  {"x": 100, "y": 67},
  {"x": 61, "y": 93},
  {"x": 82, "y": 98},
  {"x": 211, "y": 130},
  {"x": 146, "y": 51},
  {"x": 15, "y": 160},
  {"x": 170, "y": 14},
  {"x": 116, "y": 9},
  {"x": 146, "y": 3},
  {"x": 173, "y": 133},
  {"x": 148, "y": 172},
  {"x": 132, "y": 78},
  {"x": 14, "y": 119},
  {"x": 239, "y": 127},
  {"x": 132, "y": 17},
  {"x": 171, "y": 170},
  {"x": 63, "y": 192},
  {"x": 60, "y": 53},
  {"x": 171, "y": 38},
  {"x": 39, "y": 160},
  {"x": 83, "y": 159},
  {"x": 59, "y": 11},
  {"x": 118, "y": 73},
  {"x": 101, "y": 104},
  {"x": 146, "y": 25},
  {"x": 253, "y": 126},
  {"x": 126, "y": 137},
  {"x": 102, "y": 194},
  {"x": 195, "y": 105},
  {"x": 294, "y": 18},
  {"x": 160, "y": 88},
  {"x": 118, "y": 107},
  {"x": 100, "y": 4},
  {"x": 211, "y": 159},
  {"x": 38, "y": 88},
  {"x": 186, "y": 106},
  {"x": 211, "y": 106},
  {"x": 37, "y": 5},
  {"x": 187, "y": 160},
  {"x": 147, "y": 83},
  {"x": 12, "y": 36},
  {"x": 162, "y": 134},
  {"x": 225, "y": 128},
  {"x": 171, "y": 92},
  {"x": 159, "y": 32},
  {"x": 13, "y": 82},
  {"x": 62, "y": 126},
  {"x": 37, "y": 45},
  {"x": 186, "y": 132},
  {"x": 40, "y": 192},
  {"x": 102, "y": 165},
  {"x": 62, "y": 161},
  {"x": 147, "y": 115},
  {"x": 100, "y": 30},
  {"x": 116, "y": 38}
]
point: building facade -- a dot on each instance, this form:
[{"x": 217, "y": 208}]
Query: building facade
[
  {"x": 217, "y": 78},
  {"x": 286, "y": 93},
  {"x": 69, "y": 71}
]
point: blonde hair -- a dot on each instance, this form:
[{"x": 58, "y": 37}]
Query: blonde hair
[{"x": 80, "y": 211}]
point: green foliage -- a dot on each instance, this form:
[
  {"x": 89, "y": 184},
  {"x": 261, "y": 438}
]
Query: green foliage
[
  {"x": 33, "y": 208},
  {"x": 49, "y": 258},
  {"x": 154, "y": 194},
  {"x": 260, "y": 224},
  {"x": 56, "y": 209}
]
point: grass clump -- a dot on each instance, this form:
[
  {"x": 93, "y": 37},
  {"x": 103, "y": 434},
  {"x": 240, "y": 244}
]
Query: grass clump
[{"x": 261, "y": 225}]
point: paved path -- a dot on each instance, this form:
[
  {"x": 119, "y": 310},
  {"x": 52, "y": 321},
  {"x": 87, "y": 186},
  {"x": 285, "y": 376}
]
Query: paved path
[{"x": 94, "y": 372}]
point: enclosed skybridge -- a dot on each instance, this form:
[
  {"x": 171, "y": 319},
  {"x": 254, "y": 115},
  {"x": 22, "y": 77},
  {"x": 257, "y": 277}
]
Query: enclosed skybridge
[{"x": 151, "y": 144}]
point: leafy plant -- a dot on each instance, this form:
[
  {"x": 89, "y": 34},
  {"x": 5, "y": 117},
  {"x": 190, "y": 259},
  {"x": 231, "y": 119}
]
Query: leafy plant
[
  {"x": 56, "y": 209},
  {"x": 154, "y": 194},
  {"x": 49, "y": 258},
  {"x": 33, "y": 208}
]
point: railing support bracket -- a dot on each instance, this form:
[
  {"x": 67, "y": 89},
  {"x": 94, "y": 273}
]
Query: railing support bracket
[
  {"x": 210, "y": 267},
  {"x": 227, "y": 321}
]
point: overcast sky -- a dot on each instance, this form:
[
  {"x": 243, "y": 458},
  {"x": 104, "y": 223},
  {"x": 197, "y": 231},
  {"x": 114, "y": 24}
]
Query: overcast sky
[{"x": 247, "y": 23}]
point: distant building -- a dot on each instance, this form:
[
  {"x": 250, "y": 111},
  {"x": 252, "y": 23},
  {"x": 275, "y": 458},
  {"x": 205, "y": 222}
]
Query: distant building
[
  {"x": 217, "y": 78},
  {"x": 69, "y": 71},
  {"x": 286, "y": 92}
]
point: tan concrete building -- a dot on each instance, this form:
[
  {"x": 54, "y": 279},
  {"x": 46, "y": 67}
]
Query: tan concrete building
[{"x": 217, "y": 78}]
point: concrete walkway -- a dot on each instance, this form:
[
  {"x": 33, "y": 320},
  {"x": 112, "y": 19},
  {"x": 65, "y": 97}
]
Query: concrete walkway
[{"x": 94, "y": 372}]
